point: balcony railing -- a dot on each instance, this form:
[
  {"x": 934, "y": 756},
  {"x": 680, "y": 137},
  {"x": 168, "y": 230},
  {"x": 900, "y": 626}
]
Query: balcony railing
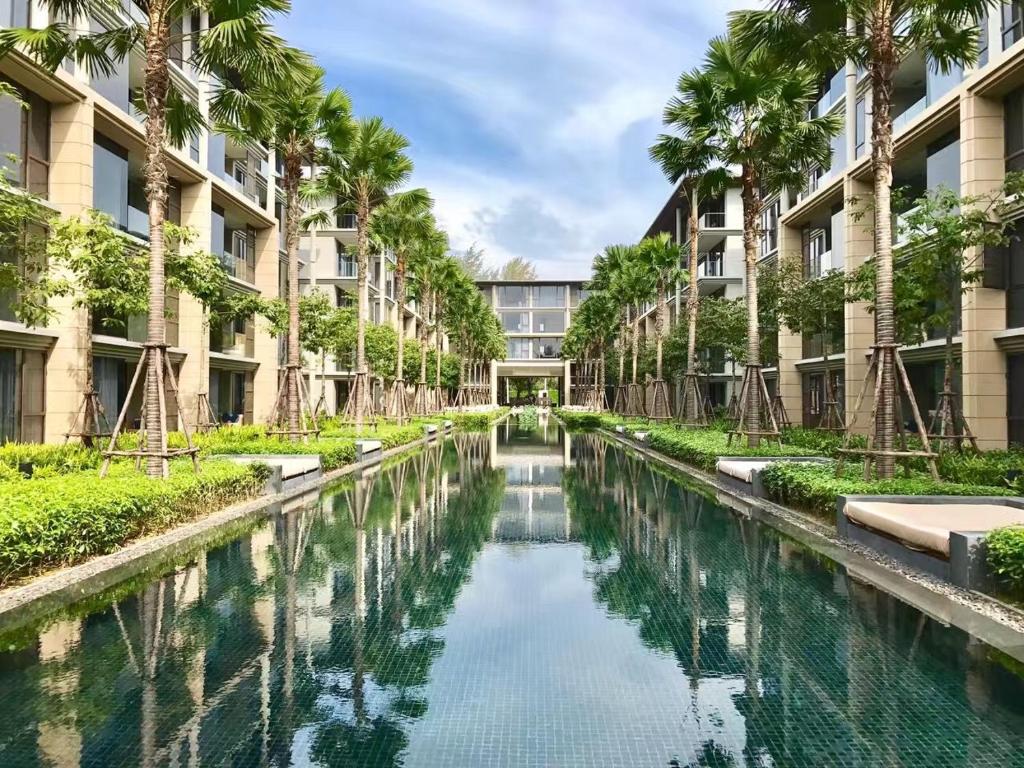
[
  {"x": 903, "y": 119},
  {"x": 347, "y": 268},
  {"x": 346, "y": 221},
  {"x": 713, "y": 220},
  {"x": 238, "y": 267}
]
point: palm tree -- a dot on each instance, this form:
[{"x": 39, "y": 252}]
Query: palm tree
[
  {"x": 631, "y": 283},
  {"x": 662, "y": 259},
  {"x": 447, "y": 293},
  {"x": 605, "y": 268},
  {"x": 400, "y": 224},
  {"x": 424, "y": 262},
  {"x": 240, "y": 39},
  {"x": 879, "y": 35},
  {"x": 362, "y": 174},
  {"x": 757, "y": 119},
  {"x": 686, "y": 159},
  {"x": 304, "y": 117}
]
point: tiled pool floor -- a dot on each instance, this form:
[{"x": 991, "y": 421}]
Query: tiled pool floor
[{"x": 515, "y": 599}]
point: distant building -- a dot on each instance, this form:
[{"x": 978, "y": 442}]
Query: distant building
[{"x": 535, "y": 315}]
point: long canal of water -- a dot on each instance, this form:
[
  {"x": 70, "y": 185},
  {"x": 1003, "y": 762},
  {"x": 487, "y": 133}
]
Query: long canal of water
[{"x": 518, "y": 598}]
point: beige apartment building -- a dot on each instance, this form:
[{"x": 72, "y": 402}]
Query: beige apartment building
[
  {"x": 964, "y": 130},
  {"x": 79, "y": 145}
]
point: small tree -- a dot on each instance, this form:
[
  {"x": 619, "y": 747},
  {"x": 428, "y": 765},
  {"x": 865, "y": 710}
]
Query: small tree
[
  {"x": 943, "y": 239},
  {"x": 319, "y": 324},
  {"x": 814, "y": 307},
  {"x": 722, "y": 324}
]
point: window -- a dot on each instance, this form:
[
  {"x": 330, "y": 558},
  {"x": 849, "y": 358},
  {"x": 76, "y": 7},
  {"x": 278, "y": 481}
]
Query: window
[
  {"x": 983, "y": 40},
  {"x": 1013, "y": 124},
  {"x": 15, "y": 13},
  {"x": 515, "y": 322},
  {"x": 548, "y": 296},
  {"x": 1013, "y": 22},
  {"x": 546, "y": 349},
  {"x": 549, "y": 322},
  {"x": 861, "y": 126},
  {"x": 943, "y": 163},
  {"x": 816, "y": 243},
  {"x": 512, "y": 296},
  {"x": 714, "y": 264},
  {"x": 25, "y": 142},
  {"x": 8, "y": 395},
  {"x": 518, "y": 349},
  {"x": 110, "y": 180},
  {"x": 770, "y": 228}
]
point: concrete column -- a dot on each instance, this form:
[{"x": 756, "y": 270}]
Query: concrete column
[
  {"x": 982, "y": 169},
  {"x": 265, "y": 380},
  {"x": 860, "y": 323},
  {"x": 790, "y": 344},
  {"x": 567, "y": 394},
  {"x": 196, "y": 202},
  {"x": 494, "y": 382},
  {"x": 71, "y": 191}
]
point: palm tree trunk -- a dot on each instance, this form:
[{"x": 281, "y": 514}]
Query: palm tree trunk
[
  {"x": 883, "y": 61},
  {"x": 659, "y": 331},
  {"x": 692, "y": 303},
  {"x": 750, "y": 243},
  {"x": 292, "y": 175},
  {"x": 363, "y": 308},
  {"x": 157, "y": 84},
  {"x": 400, "y": 305},
  {"x": 634, "y": 325}
]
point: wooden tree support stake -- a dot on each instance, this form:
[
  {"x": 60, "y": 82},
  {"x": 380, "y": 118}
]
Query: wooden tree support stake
[
  {"x": 155, "y": 362},
  {"x": 660, "y": 408},
  {"x": 279, "y": 416},
  {"x": 90, "y": 421},
  {"x": 767, "y": 426},
  {"x": 691, "y": 412}
]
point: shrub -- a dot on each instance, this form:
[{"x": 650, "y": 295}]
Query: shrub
[
  {"x": 64, "y": 519},
  {"x": 814, "y": 488},
  {"x": 1006, "y": 556},
  {"x": 52, "y": 459},
  {"x": 988, "y": 468},
  {"x": 474, "y": 421},
  {"x": 702, "y": 447},
  {"x": 579, "y": 420}
]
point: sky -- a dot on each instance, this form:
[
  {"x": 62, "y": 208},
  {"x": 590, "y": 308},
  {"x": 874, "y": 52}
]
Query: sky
[{"x": 529, "y": 120}]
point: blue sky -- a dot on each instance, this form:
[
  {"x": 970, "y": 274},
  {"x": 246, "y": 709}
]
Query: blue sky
[{"x": 529, "y": 119}]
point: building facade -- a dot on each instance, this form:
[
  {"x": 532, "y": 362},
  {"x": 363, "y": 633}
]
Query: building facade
[
  {"x": 79, "y": 145},
  {"x": 963, "y": 130},
  {"x": 535, "y": 315}
]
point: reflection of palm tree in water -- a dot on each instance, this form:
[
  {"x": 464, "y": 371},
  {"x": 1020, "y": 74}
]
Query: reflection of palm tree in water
[{"x": 358, "y": 504}]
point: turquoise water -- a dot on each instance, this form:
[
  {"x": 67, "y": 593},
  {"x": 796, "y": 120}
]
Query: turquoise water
[{"x": 513, "y": 599}]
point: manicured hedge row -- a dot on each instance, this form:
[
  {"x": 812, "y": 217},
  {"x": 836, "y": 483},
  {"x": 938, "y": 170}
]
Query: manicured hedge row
[
  {"x": 60, "y": 520},
  {"x": 814, "y": 488},
  {"x": 701, "y": 448},
  {"x": 1006, "y": 557},
  {"x": 474, "y": 421}
]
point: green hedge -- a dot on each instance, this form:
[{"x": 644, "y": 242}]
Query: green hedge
[
  {"x": 47, "y": 460},
  {"x": 814, "y": 488},
  {"x": 474, "y": 421},
  {"x": 701, "y": 447},
  {"x": 61, "y": 520},
  {"x": 1006, "y": 557}
]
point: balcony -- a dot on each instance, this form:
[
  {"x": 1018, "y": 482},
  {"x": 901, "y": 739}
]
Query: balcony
[
  {"x": 238, "y": 266},
  {"x": 347, "y": 268},
  {"x": 902, "y": 120},
  {"x": 244, "y": 169},
  {"x": 346, "y": 221},
  {"x": 713, "y": 220}
]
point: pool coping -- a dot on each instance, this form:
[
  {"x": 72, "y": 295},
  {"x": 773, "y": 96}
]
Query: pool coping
[
  {"x": 24, "y": 603},
  {"x": 996, "y": 623}
]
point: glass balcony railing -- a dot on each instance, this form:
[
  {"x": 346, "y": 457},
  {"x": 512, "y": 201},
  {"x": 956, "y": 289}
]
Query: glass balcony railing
[
  {"x": 901, "y": 121},
  {"x": 348, "y": 268},
  {"x": 713, "y": 220},
  {"x": 238, "y": 267}
]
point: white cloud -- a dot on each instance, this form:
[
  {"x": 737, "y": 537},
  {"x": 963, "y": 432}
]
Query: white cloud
[{"x": 551, "y": 106}]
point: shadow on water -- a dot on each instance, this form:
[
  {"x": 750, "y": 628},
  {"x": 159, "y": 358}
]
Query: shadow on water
[{"x": 518, "y": 597}]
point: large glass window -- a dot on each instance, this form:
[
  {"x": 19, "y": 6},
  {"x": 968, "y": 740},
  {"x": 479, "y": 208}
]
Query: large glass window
[
  {"x": 1013, "y": 22},
  {"x": 939, "y": 83},
  {"x": 110, "y": 180},
  {"x": 943, "y": 165},
  {"x": 860, "y": 129},
  {"x": 770, "y": 228},
  {"x": 546, "y": 349},
  {"x": 25, "y": 142},
  {"x": 8, "y": 395},
  {"x": 513, "y": 296},
  {"x": 518, "y": 349},
  {"x": 548, "y": 295},
  {"x": 515, "y": 322},
  {"x": 549, "y": 322}
]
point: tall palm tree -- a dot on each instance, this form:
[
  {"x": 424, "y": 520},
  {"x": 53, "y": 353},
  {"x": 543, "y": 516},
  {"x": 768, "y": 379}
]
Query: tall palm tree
[
  {"x": 757, "y": 120},
  {"x": 362, "y": 174},
  {"x": 239, "y": 39},
  {"x": 631, "y": 283},
  {"x": 447, "y": 293},
  {"x": 424, "y": 260},
  {"x": 879, "y": 35},
  {"x": 607, "y": 265},
  {"x": 687, "y": 159},
  {"x": 303, "y": 116},
  {"x": 400, "y": 225},
  {"x": 662, "y": 258}
]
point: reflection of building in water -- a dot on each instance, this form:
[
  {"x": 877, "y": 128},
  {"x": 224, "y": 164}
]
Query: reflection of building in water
[{"x": 534, "y": 507}]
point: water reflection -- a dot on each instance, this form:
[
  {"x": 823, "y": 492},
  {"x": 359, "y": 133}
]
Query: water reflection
[{"x": 518, "y": 598}]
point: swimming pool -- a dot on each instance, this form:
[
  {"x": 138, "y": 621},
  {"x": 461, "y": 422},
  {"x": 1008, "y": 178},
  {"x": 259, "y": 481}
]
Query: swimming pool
[{"x": 518, "y": 598}]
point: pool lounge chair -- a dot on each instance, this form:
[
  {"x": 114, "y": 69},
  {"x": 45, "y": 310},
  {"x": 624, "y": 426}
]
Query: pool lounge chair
[
  {"x": 743, "y": 473},
  {"x": 940, "y": 535}
]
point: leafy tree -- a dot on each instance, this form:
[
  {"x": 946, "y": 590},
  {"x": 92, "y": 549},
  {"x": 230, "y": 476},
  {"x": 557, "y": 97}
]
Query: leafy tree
[
  {"x": 472, "y": 262},
  {"x": 944, "y": 237},
  {"x": 518, "y": 268},
  {"x": 23, "y": 223},
  {"x": 814, "y": 308},
  {"x": 319, "y": 324},
  {"x": 755, "y": 117},
  {"x": 722, "y": 325},
  {"x": 239, "y": 40},
  {"x": 877, "y": 35}
]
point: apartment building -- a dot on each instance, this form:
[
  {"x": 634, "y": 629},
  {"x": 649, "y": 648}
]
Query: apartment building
[
  {"x": 963, "y": 130},
  {"x": 720, "y": 273},
  {"x": 329, "y": 265},
  {"x": 535, "y": 316},
  {"x": 80, "y": 145}
]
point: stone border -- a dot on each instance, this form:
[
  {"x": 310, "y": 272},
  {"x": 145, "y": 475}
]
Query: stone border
[
  {"x": 990, "y": 620},
  {"x": 19, "y": 605}
]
